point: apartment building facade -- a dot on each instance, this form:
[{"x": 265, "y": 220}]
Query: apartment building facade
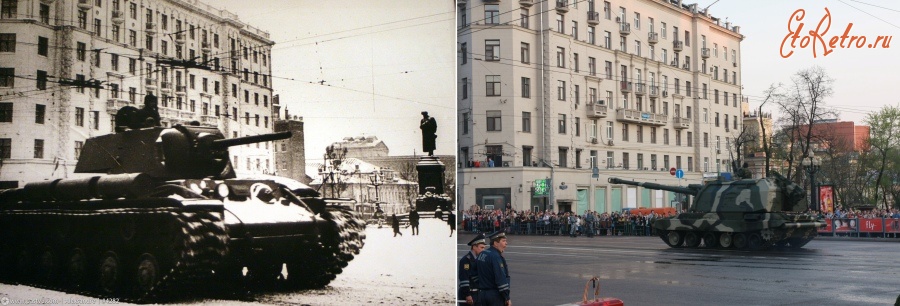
[
  {"x": 550, "y": 90},
  {"x": 203, "y": 64}
]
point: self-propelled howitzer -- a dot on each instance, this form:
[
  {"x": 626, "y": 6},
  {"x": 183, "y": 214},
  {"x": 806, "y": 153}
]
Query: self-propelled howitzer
[
  {"x": 165, "y": 212},
  {"x": 747, "y": 213}
]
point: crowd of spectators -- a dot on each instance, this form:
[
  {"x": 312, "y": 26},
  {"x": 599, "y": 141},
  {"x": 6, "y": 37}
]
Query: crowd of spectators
[
  {"x": 527, "y": 222},
  {"x": 851, "y": 213}
]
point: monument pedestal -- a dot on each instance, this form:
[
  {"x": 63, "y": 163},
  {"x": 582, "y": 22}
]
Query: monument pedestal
[{"x": 432, "y": 195}]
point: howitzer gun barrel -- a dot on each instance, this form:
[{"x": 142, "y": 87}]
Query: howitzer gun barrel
[
  {"x": 676, "y": 189},
  {"x": 224, "y": 143}
]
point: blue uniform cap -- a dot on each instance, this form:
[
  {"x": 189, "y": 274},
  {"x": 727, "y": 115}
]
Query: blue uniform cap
[
  {"x": 496, "y": 235},
  {"x": 478, "y": 239}
]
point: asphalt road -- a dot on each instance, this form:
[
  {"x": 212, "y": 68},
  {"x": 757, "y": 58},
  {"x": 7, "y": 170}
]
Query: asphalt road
[{"x": 553, "y": 270}]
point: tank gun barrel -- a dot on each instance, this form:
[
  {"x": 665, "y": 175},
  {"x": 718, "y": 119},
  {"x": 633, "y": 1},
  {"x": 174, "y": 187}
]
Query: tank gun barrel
[
  {"x": 230, "y": 142},
  {"x": 690, "y": 190}
]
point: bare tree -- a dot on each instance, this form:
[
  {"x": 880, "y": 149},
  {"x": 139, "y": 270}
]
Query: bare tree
[{"x": 802, "y": 104}]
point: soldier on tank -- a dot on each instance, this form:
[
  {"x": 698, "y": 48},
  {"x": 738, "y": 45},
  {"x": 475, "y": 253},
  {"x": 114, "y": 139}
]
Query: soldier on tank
[{"x": 467, "y": 274}]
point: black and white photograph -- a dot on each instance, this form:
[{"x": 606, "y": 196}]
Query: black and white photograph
[{"x": 227, "y": 152}]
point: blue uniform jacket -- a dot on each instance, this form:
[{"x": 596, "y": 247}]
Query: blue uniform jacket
[
  {"x": 493, "y": 273},
  {"x": 467, "y": 276}
]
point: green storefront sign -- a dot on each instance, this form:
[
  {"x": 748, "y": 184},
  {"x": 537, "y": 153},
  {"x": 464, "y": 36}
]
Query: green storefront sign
[{"x": 542, "y": 188}]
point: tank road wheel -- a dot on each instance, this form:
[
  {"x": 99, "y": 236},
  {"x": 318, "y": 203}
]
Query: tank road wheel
[
  {"x": 675, "y": 239},
  {"x": 148, "y": 274},
  {"x": 710, "y": 240},
  {"x": 76, "y": 268},
  {"x": 725, "y": 240},
  {"x": 109, "y": 273},
  {"x": 740, "y": 240},
  {"x": 755, "y": 241},
  {"x": 47, "y": 265},
  {"x": 691, "y": 239}
]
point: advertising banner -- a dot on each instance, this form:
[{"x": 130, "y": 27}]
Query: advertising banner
[
  {"x": 827, "y": 229},
  {"x": 872, "y": 225},
  {"x": 826, "y": 198},
  {"x": 844, "y": 225},
  {"x": 892, "y": 225}
]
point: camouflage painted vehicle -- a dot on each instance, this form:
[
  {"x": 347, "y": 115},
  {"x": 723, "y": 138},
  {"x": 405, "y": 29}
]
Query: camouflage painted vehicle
[{"x": 749, "y": 213}]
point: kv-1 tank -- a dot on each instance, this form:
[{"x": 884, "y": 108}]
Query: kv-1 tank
[
  {"x": 166, "y": 216},
  {"x": 748, "y": 213}
]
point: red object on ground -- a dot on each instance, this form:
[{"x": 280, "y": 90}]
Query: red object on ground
[{"x": 602, "y": 302}]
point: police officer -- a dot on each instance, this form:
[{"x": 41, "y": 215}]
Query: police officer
[
  {"x": 467, "y": 275},
  {"x": 493, "y": 273}
]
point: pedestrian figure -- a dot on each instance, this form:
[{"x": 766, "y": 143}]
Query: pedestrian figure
[
  {"x": 493, "y": 273},
  {"x": 466, "y": 272},
  {"x": 744, "y": 172},
  {"x": 395, "y": 223},
  {"x": 429, "y": 130},
  {"x": 589, "y": 224},
  {"x": 573, "y": 223},
  {"x": 414, "y": 221},
  {"x": 451, "y": 220}
]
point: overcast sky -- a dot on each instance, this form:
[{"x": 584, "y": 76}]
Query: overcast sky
[
  {"x": 865, "y": 79},
  {"x": 381, "y": 62}
]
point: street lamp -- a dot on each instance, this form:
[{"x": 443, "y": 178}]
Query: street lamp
[
  {"x": 812, "y": 165},
  {"x": 378, "y": 177}
]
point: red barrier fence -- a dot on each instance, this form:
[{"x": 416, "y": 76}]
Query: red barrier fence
[{"x": 861, "y": 225}]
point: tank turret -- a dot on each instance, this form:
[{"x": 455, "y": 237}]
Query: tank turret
[
  {"x": 179, "y": 152},
  {"x": 745, "y": 213}
]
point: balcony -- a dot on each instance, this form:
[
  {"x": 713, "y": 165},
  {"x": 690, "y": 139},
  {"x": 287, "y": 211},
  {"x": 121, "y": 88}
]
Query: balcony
[
  {"x": 677, "y": 46},
  {"x": 593, "y": 18},
  {"x": 179, "y": 38},
  {"x": 526, "y": 3},
  {"x": 639, "y": 117},
  {"x": 165, "y": 86},
  {"x": 625, "y": 86},
  {"x": 562, "y": 6},
  {"x": 118, "y": 17},
  {"x": 682, "y": 123},
  {"x": 205, "y": 47},
  {"x": 596, "y": 110},
  {"x": 180, "y": 89},
  {"x": 654, "y": 91},
  {"x": 652, "y": 38},
  {"x": 235, "y": 54},
  {"x": 640, "y": 89},
  {"x": 704, "y": 53},
  {"x": 113, "y": 105},
  {"x": 150, "y": 29},
  {"x": 85, "y": 4},
  {"x": 151, "y": 83},
  {"x": 625, "y": 28},
  {"x": 209, "y": 120}
]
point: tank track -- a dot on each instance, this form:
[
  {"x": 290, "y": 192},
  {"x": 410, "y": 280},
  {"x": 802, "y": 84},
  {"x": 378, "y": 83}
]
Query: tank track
[
  {"x": 198, "y": 243},
  {"x": 337, "y": 246}
]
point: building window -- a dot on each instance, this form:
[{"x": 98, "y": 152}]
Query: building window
[
  {"x": 464, "y": 54},
  {"x": 526, "y": 54},
  {"x": 465, "y": 88},
  {"x": 592, "y": 66},
  {"x": 624, "y": 132},
  {"x": 492, "y": 85},
  {"x": 38, "y": 148},
  {"x": 39, "y": 111},
  {"x": 526, "y": 156},
  {"x": 465, "y": 123},
  {"x": 7, "y": 42},
  {"x": 560, "y": 24},
  {"x": 492, "y": 50},
  {"x": 79, "y": 116},
  {"x": 591, "y": 37},
  {"x": 132, "y": 96},
  {"x": 577, "y": 126},
  {"x": 690, "y": 139},
  {"x": 560, "y": 57},
  {"x": 640, "y": 133},
  {"x": 561, "y": 90},
  {"x": 562, "y": 124},
  {"x": 523, "y": 18},
  {"x": 575, "y": 29},
  {"x": 491, "y": 14},
  {"x": 114, "y": 91},
  {"x": 706, "y": 140},
  {"x": 609, "y": 130},
  {"x": 526, "y": 122},
  {"x": 132, "y": 38},
  {"x": 82, "y": 19},
  {"x": 41, "y": 79},
  {"x": 526, "y": 87},
  {"x": 610, "y": 160},
  {"x": 6, "y": 112},
  {"x": 97, "y": 27},
  {"x": 45, "y": 13},
  {"x": 493, "y": 121},
  {"x": 608, "y": 69},
  {"x": 607, "y": 40},
  {"x": 563, "y": 157},
  {"x": 625, "y": 159}
]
